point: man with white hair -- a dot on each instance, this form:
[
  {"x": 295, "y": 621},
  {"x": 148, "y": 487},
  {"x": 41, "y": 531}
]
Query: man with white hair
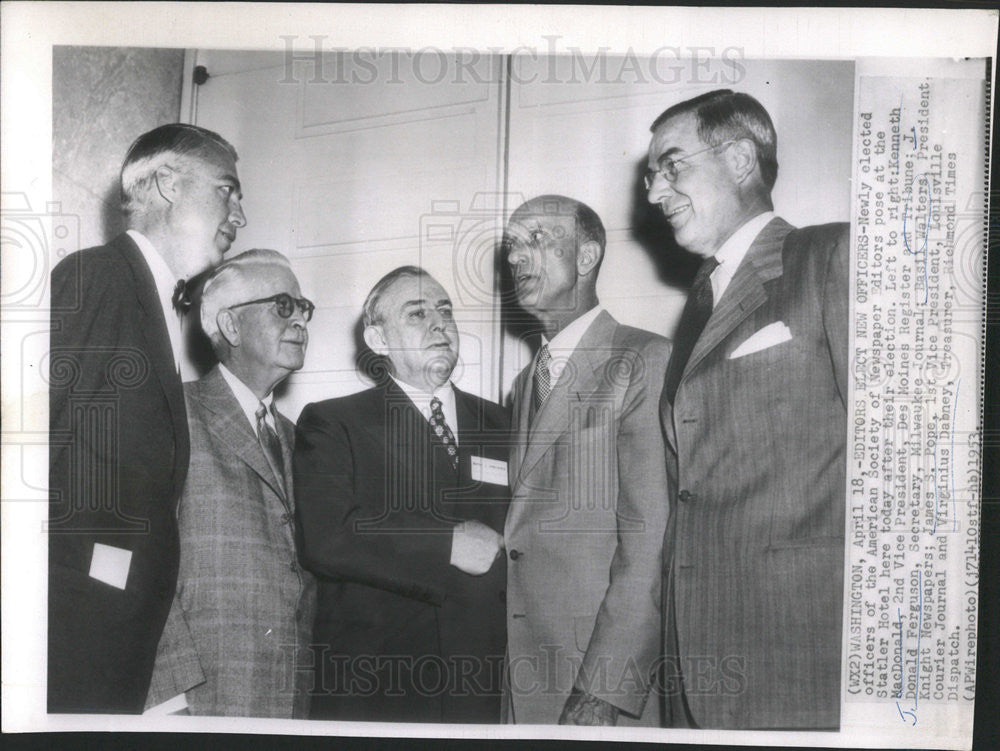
[
  {"x": 118, "y": 428},
  {"x": 243, "y": 608}
]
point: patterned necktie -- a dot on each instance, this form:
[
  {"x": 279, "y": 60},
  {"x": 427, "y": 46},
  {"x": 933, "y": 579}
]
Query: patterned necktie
[
  {"x": 443, "y": 432},
  {"x": 697, "y": 311},
  {"x": 270, "y": 444},
  {"x": 181, "y": 298},
  {"x": 543, "y": 379}
]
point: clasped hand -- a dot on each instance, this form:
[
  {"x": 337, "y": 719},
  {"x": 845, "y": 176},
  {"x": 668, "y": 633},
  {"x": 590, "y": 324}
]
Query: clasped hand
[{"x": 474, "y": 547}]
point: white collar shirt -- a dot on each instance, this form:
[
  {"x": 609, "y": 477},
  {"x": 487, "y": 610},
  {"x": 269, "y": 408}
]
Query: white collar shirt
[
  {"x": 249, "y": 402},
  {"x": 732, "y": 252},
  {"x": 422, "y": 401},
  {"x": 165, "y": 282},
  {"x": 564, "y": 344}
]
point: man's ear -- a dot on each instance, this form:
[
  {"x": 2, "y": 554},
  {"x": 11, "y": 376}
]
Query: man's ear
[
  {"x": 228, "y": 327},
  {"x": 588, "y": 255},
  {"x": 375, "y": 340},
  {"x": 742, "y": 159},
  {"x": 167, "y": 182}
]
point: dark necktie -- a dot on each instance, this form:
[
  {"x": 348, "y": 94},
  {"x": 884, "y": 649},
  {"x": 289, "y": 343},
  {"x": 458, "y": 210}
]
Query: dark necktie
[
  {"x": 697, "y": 311},
  {"x": 543, "y": 379},
  {"x": 181, "y": 297},
  {"x": 443, "y": 432},
  {"x": 270, "y": 444}
]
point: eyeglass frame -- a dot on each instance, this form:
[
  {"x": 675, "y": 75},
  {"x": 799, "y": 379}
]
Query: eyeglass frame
[
  {"x": 671, "y": 165},
  {"x": 284, "y": 302}
]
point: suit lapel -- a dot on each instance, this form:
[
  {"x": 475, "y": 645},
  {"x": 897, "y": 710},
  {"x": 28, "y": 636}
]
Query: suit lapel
[
  {"x": 157, "y": 341},
  {"x": 232, "y": 427},
  {"x": 582, "y": 377},
  {"x": 419, "y": 439},
  {"x": 745, "y": 292},
  {"x": 522, "y": 414},
  {"x": 286, "y": 437}
]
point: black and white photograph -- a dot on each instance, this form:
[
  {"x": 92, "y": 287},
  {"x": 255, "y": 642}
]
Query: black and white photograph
[{"x": 501, "y": 388}]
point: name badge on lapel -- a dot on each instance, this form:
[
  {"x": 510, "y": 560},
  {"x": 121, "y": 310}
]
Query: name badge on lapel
[{"x": 489, "y": 470}]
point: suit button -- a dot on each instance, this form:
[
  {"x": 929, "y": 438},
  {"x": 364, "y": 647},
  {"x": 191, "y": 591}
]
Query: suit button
[
  {"x": 514, "y": 555},
  {"x": 503, "y": 595},
  {"x": 286, "y": 518},
  {"x": 685, "y": 496},
  {"x": 293, "y": 566}
]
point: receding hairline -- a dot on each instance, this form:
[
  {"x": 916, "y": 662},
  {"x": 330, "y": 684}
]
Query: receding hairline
[
  {"x": 372, "y": 312},
  {"x": 586, "y": 219}
]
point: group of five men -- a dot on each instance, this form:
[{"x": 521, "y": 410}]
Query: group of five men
[{"x": 653, "y": 535}]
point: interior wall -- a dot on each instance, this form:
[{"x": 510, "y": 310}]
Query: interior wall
[
  {"x": 103, "y": 98},
  {"x": 586, "y": 135},
  {"x": 350, "y": 180}
]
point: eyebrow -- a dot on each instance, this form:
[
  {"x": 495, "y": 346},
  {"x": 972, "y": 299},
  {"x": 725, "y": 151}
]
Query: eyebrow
[
  {"x": 422, "y": 301},
  {"x": 669, "y": 153}
]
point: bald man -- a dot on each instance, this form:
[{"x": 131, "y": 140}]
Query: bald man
[{"x": 584, "y": 531}]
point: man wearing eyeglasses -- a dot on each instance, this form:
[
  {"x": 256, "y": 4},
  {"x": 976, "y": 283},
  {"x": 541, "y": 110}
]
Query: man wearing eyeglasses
[
  {"x": 584, "y": 533},
  {"x": 754, "y": 409},
  {"x": 402, "y": 496},
  {"x": 243, "y": 608}
]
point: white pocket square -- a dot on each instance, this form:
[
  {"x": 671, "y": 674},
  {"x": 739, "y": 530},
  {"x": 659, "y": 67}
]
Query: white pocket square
[{"x": 770, "y": 335}]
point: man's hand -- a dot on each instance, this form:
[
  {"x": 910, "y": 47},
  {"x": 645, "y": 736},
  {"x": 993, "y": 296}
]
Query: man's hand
[
  {"x": 474, "y": 547},
  {"x": 583, "y": 709}
]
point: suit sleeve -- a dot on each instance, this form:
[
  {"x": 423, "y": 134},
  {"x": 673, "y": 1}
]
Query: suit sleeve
[
  {"x": 71, "y": 363},
  {"x": 414, "y": 564},
  {"x": 836, "y": 290},
  {"x": 83, "y": 343},
  {"x": 626, "y": 638}
]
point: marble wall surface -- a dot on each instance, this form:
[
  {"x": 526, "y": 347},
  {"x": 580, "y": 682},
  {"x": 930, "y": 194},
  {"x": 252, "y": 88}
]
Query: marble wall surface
[{"x": 102, "y": 99}]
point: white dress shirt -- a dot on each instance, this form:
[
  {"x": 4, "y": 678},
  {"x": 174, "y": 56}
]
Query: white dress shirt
[
  {"x": 564, "y": 343},
  {"x": 731, "y": 254},
  {"x": 422, "y": 401},
  {"x": 165, "y": 282},
  {"x": 249, "y": 402}
]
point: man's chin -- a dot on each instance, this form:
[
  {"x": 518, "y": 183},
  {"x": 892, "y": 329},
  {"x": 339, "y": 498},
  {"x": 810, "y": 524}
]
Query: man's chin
[{"x": 441, "y": 367}]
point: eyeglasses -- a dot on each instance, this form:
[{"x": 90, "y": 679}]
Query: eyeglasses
[
  {"x": 285, "y": 305},
  {"x": 668, "y": 167}
]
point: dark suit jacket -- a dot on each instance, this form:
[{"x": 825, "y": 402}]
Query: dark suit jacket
[
  {"x": 408, "y": 636},
  {"x": 118, "y": 458},
  {"x": 757, "y": 462},
  {"x": 244, "y": 608}
]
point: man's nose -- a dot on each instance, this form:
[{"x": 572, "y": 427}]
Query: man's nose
[
  {"x": 518, "y": 256},
  {"x": 437, "y": 320},
  {"x": 236, "y": 216},
  {"x": 659, "y": 188}
]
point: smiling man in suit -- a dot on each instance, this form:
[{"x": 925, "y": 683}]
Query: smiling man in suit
[
  {"x": 243, "y": 609},
  {"x": 117, "y": 424},
  {"x": 754, "y": 408},
  {"x": 402, "y": 492},
  {"x": 584, "y": 533}
]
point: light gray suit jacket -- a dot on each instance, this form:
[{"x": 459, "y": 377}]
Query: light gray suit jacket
[
  {"x": 584, "y": 531},
  {"x": 244, "y": 608},
  {"x": 755, "y": 547}
]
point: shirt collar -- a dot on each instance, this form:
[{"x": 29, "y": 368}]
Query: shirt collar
[
  {"x": 732, "y": 251},
  {"x": 567, "y": 339},
  {"x": 422, "y": 399},
  {"x": 163, "y": 277},
  {"x": 247, "y": 399}
]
